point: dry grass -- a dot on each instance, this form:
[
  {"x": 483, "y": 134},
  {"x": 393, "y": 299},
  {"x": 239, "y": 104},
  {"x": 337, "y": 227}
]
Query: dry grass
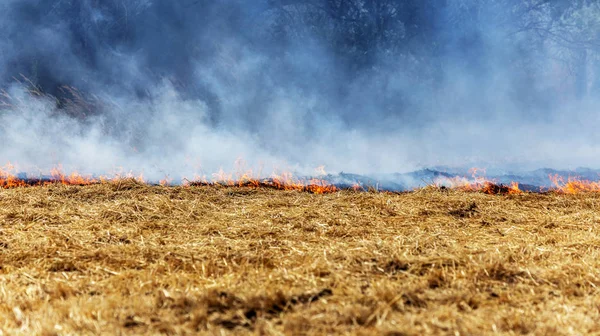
[{"x": 126, "y": 258}]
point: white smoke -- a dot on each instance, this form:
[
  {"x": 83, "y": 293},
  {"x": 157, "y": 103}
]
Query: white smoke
[{"x": 190, "y": 99}]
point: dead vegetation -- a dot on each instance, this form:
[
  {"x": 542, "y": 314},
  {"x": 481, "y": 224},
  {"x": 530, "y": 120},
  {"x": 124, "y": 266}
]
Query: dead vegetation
[{"x": 126, "y": 258}]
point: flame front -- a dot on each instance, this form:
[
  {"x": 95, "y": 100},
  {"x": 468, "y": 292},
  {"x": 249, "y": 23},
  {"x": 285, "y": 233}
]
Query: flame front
[
  {"x": 285, "y": 181},
  {"x": 7, "y": 179},
  {"x": 479, "y": 183},
  {"x": 242, "y": 178},
  {"x": 280, "y": 181},
  {"x": 574, "y": 185}
]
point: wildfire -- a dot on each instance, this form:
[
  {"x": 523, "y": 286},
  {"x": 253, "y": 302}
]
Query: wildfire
[
  {"x": 573, "y": 185},
  {"x": 479, "y": 183},
  {"x": 247, "y": 178},
  {"x": 57, "y": 176},
  {"x": 8, "y": 179},
  {"x": 280, "y": 181},
  {"x": 242, "y": 178}
]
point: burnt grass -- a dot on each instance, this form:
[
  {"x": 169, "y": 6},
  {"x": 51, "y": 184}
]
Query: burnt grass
[{"x": 128, "y": 258}]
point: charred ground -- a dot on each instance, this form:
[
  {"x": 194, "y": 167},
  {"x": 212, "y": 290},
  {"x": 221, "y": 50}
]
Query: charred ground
[{"x": 130, "y": 258}]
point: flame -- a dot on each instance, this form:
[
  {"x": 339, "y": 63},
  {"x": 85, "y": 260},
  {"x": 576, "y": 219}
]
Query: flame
[
  {"x": 167, "y": 181},
  {"x": 241, "y": 178},
  {"x": 73, "y": 178},
  {"x": 244, "y": 177},
  {"x": 320, "y": 171},
  {"x": 478, "y": 183},
  {"x": 477, "y": 173},
  {"x": 514, "y": 188},
  {"x": 280, "y": 181},
  {"x": 7, "y": 179},
  {"x": 570, "y": 185},
  {"x": 573, "y": 185},
  {"x": 358, "y": 187}
]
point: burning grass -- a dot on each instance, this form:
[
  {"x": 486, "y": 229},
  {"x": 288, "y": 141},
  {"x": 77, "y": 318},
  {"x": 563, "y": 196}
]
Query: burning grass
[
  {"x": 246, "y": 179},
  {"x": 287, "y": 181},
  {"x": 128, "y": 258}
]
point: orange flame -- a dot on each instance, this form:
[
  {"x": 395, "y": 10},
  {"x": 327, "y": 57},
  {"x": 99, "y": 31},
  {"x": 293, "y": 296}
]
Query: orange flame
[
  {"x": 7, "y": 179},
  {"x": 479, "y": 183},
  {"x": 280, "y": 181},
  {"x": 574, "y": 185},
  {"x": 244, "y": 177}
]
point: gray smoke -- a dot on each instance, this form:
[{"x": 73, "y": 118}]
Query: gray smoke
[{"x": 178, "y": 88}]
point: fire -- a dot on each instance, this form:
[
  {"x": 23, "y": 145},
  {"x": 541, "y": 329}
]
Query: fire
[
  {"x": 74, "y": 178},
  {"x": 280, "y": 181},
  {"x": 7, "y": 179},
  {"x": 574, "y": 185},
  {"x": 479, "y": 183},
  {"x": 493, "y": 188},
  {"x": 241, "y": 178},
  {"x": 247, "y": 178},
  {"x": 570, "y": 185}
]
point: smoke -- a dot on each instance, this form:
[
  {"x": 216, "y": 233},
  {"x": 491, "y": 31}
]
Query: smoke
[{"x": 174, "y": 88}]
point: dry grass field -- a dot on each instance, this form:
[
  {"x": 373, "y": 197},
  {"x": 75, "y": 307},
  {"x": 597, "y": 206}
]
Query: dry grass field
[{"x": 126, "y": 258}]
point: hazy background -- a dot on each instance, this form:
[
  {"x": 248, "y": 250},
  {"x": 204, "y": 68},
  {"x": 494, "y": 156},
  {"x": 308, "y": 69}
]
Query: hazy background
[{"x": 176, "y": 88}]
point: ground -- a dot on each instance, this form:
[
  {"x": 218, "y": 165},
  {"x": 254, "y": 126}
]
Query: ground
[{"x": 125, "y": 258}]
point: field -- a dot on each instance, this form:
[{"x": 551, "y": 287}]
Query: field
[{"x": 126, "y": 258}]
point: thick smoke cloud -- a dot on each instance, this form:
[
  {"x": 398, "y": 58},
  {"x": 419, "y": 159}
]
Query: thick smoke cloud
[{"x": 177, "y": 88}]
